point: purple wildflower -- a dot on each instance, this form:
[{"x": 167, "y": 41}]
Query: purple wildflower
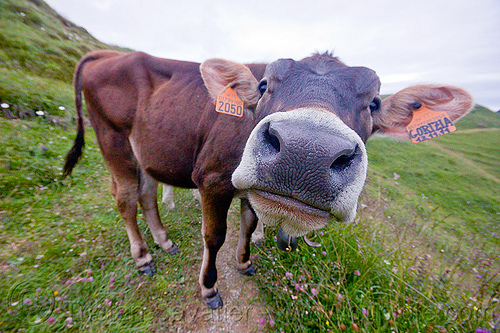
[
  {"x": 262, "y": 321},
  {"x": 482, "y": 330},
  {"x": 314, "y": 291},
  {"x": 299, "y": 287},
  {"x": 289, "y": 275},
  {"x": 357, "y": 273},
  {"x": 51, "y": 320},
  {"x": 365, "y": 312}
]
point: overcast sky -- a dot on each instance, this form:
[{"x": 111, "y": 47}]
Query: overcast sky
[{"x": 406, "y": 42}]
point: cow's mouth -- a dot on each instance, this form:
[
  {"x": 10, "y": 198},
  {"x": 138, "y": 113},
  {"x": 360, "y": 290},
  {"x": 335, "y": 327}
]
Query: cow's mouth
[
  {"x": 295, "y": 217},
  {"x": 291, "y": 204}
]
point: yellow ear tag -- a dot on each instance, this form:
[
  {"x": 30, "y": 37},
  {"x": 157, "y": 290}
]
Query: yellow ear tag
[
  {"x": 229, "y": 103},
  {"x": 427, "y": 124}
]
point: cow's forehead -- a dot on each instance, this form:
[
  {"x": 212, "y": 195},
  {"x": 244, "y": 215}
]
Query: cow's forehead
[{"x": 358, "y": 80}]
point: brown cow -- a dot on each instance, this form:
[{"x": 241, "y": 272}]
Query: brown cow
[{"x": 296, "y": 157}]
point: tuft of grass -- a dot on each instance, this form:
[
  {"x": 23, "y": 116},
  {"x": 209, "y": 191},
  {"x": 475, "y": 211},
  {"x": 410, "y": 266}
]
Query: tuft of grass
[
  {"x": 25, "y": 94},
  {"x": 355, "y": 282}
]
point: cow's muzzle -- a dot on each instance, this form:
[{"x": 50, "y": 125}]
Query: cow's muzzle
[{"x": 302, "y": 167}]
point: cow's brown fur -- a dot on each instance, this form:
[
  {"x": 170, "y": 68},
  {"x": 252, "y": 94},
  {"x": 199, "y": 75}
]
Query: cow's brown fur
[{"x": 155, "y": 121}]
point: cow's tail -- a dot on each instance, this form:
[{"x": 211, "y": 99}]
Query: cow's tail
[{"x": 76, "y": 151}]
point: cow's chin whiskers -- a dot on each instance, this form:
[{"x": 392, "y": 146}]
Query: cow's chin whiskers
[{"x": 295, "y": 221}]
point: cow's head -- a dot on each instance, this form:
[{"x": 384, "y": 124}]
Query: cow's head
[{"x": 305, "y": 160}]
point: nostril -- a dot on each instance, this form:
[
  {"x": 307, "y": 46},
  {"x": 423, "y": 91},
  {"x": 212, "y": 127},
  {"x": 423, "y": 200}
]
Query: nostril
[
  {"x": 272, "y": 139},
  {"x": 344, "y": 158}
]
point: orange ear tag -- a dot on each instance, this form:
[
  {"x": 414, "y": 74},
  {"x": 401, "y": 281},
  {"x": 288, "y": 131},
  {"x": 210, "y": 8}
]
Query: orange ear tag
[
  {"x": 229, "y": 103},
  {"x": 427, "y": 124}
]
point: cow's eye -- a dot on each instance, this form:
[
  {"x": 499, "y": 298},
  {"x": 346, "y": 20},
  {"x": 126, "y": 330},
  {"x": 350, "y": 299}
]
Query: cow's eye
[
  {"x": 416, "y": 105},
  {"x": 375, "y": 104},
  {"x": 262, "y": 87}
]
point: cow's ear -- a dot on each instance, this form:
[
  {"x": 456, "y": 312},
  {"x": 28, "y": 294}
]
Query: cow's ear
[
  {"x": 219, "y": 74},
  {"x": 396, "y": 111}
]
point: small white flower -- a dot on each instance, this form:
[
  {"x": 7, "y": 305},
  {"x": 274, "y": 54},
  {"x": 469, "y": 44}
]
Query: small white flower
[
  {"x": 5, "y": 106},
  {"x": 40, "y": 256},
  {"x": 62, "y": 108},
  {"x": 40, "y": 113}
]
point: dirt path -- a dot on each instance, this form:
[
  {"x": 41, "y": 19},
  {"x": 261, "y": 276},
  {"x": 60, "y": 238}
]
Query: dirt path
[{"x": 240, "y": 294}]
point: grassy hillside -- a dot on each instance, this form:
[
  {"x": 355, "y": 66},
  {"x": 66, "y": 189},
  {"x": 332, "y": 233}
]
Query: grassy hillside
[
  {"x": 480, "y": 117},
  {"x": 423, "y": 255},
  {"x": 38, "y": 52},
  {"x": 37, "y": 40}
]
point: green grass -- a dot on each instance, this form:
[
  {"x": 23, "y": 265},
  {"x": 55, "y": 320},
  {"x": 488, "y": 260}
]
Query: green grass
[
  {"x": 25, "y": 93},
  {"x": 35, "y": 39},
  {"x": 58, "y": 234},
  {"x": 38, "y": 52},
  {"x": 407, "y": 265},
  {"x": 423, "y": 255},
  {"x": 479, "y": 117},
  {"x": 417, "y": 248}
]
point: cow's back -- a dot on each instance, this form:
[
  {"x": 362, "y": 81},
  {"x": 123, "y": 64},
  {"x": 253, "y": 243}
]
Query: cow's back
[{"x": 156, "y": 103}]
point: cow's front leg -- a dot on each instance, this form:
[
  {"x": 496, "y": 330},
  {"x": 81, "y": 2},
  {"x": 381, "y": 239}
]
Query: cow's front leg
[
  {"x": 214, "y": 225},
  {"x": 247, "y": 227}
]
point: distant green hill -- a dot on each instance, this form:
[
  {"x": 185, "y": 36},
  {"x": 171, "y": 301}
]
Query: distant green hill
[
  {"x": 36, "y": 39},
  {"x": 38, "y": 52},
  {"x": 479, "y": 117}
]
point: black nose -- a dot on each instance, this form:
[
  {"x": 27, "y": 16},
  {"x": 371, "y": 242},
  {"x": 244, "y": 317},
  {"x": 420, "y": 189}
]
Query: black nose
[{"x": 305, "y": 162}]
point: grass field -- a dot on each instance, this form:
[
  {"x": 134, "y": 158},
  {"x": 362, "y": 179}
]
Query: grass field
[
  {"x": 423, "y": 255},
  {"x": 424, "y": 251}
]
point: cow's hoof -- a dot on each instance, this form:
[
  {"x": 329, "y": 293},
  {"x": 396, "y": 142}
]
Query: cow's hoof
[
  {"x": 148, "y": 269},
  {"x": 173, "y": 249},
  {"x": 285, "y": 242},
  {"x": 249, "y": 271},
  {"x": 214, "y": 302}
]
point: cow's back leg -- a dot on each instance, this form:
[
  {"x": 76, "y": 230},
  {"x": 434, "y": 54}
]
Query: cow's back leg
[
  {"x": 119, "y": 157},
  {"x": 214, "y": 226},
  {"x": 258, "y": 234},
  {"x": 148, "y": 191},
  {"x": 168, "y": 197},
  {"x": 247, "y": 227}
]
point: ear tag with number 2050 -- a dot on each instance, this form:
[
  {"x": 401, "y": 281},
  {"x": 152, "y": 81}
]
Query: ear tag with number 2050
[
  {"x": 229, "y": 103},
  {"x": 427, "y": 124}
]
